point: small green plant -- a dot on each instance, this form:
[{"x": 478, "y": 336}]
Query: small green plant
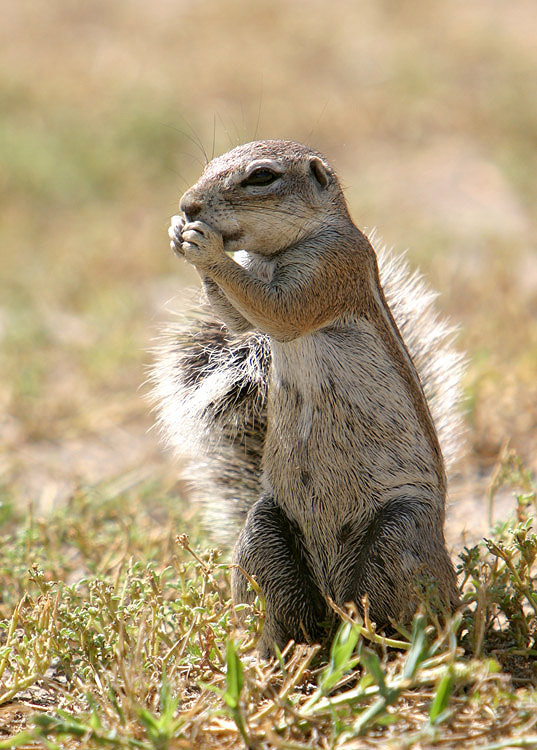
[
  {"x": 234, "y": 685},
  {"x": 499, "y": 579}
]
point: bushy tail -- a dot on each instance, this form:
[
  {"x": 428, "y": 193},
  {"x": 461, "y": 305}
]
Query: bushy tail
[
  {"x": 429, "y": 339},
  {"x": 210, "y": 389}
]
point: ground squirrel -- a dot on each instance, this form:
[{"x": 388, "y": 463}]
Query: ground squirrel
[{"x": 301, "y": 407}]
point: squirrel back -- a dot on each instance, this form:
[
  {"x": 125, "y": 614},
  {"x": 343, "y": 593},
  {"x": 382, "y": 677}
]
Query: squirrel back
[{"x": 210, "y": 390}]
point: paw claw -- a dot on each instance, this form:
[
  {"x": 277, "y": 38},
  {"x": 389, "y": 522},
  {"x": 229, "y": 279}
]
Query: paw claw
[{"x": 177, "y": 221}]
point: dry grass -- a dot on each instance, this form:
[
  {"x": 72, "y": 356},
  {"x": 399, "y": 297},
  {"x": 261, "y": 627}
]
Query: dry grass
[
  {"x": 102, "y": 646},
  {"x": 429, "y": 113}
]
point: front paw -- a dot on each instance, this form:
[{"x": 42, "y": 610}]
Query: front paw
[
  {"x": 175, "y": 233},
  {"x": 202, "y": 246}
]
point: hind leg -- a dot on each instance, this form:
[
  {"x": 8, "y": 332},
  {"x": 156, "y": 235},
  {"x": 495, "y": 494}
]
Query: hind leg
[
  {"x": 270, "y": 549},
  {"x": 402, "y": 549}
]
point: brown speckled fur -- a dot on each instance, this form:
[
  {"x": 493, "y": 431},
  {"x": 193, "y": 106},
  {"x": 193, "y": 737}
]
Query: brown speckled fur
[{"x": 307, "y": 397}]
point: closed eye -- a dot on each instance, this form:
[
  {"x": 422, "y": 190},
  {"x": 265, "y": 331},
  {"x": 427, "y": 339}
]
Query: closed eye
[{"x": 262, "y": 176}]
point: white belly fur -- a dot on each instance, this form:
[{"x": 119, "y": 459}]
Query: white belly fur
[{"x": 343, "y": 436}]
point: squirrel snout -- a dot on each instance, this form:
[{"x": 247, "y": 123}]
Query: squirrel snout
[{"x": 190, "y": 205}]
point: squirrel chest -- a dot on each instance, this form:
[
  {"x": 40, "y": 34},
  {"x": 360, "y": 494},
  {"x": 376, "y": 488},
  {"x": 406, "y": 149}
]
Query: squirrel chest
[{"x": 343, "y": 437}]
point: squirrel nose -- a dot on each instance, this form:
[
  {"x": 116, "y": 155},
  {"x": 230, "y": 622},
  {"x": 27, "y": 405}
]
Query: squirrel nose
[{"x": 190, "y": 206}]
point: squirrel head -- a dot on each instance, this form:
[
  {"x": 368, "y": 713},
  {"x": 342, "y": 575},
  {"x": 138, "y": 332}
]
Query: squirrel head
[{"x": 266, "y": 196}]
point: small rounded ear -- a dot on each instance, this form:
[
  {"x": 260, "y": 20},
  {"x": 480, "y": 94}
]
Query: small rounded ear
[{"x": 319, "y": 171}]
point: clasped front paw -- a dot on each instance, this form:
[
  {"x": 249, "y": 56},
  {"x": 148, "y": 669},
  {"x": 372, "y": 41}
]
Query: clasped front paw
[
  {"x": 202, "y": 246},
  {"x": 175, "y": 233}
]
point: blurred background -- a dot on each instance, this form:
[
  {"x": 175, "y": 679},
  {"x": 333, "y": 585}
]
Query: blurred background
[{"x": 427, "y": 109}]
